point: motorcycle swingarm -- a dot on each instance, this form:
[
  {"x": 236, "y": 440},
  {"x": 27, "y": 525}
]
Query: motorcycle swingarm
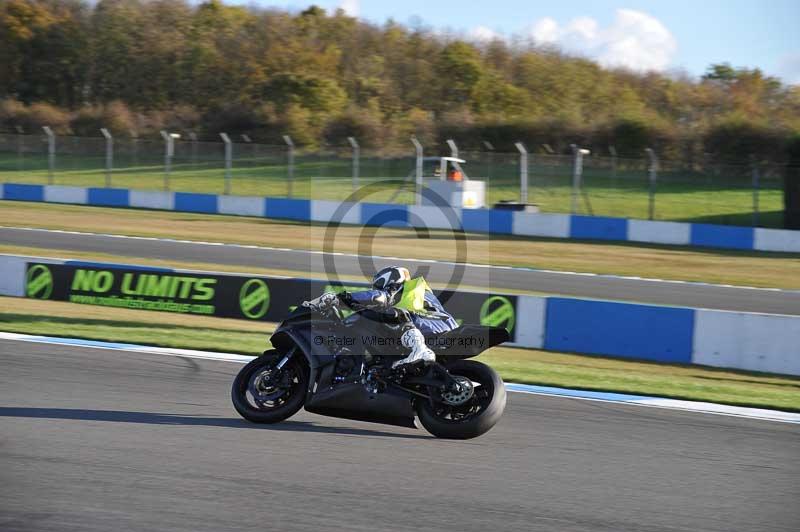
[{"x": 436, "y": 376}]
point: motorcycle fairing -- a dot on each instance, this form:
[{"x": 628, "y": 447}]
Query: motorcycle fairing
[{"x": 351, "y": 400}]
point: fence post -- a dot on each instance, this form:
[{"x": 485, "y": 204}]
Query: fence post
[
  {"x": 489, "y": 158},
  {"x": 356, "y": 156},
  {"x": 418, "y": 169},
  {"x": 288, "y": 140},
  {"x": 228, "y": 161},
  {"x": 109, "y": 155},
  {"x": 20, "y": 145},
  {"x": 169, "y": 151},
  {"x": 135, "y": 147},
  {"x": 756, "y": 170},
  {"x": 193, "y": 139},
  {"x": 613, "y": 151},
  {"x": 523, "y": 172},
  {"x": 453, "y": 148},
  {"x": 577, "y": 175},
  {"x": 652, "y": 174},
  {"x": 51, "y": 153},
  {"x": 253, "y": 147}
]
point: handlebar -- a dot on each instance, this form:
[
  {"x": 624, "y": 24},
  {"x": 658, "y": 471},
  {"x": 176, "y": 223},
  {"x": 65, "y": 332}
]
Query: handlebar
[{"x": 336, "y": 311}]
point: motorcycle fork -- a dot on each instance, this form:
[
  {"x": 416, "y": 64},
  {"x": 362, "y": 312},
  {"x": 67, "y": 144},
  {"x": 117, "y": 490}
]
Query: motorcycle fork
[{"x": 286, "y": 358}]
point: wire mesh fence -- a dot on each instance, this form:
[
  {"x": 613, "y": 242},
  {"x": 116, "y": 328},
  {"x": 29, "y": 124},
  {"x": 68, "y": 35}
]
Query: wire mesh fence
[{"x": 708, "y": 191}]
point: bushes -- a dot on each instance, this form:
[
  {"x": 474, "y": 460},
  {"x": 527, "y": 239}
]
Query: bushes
[
  {"x": 363, "y": 124},
  {"x": 32, "y": 118},
  {"x": 732, "y": 140},
  {"x": 116, "y": 117},
  {"x": 11, "y": 113},
  {"x": 86, "y": 121},
  {"x": 631, "y": 136},
  {"x": 735, "y": 139}
]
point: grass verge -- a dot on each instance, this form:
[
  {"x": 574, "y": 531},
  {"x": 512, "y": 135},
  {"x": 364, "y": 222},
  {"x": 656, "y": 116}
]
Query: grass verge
[
  {"x": 515, "y": 365},
  {"x": 770, "y": 270}
]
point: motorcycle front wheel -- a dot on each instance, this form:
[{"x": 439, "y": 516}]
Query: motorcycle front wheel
[
  {"x": 262, "y": 393},
  {"x": 456, "y": 416}
]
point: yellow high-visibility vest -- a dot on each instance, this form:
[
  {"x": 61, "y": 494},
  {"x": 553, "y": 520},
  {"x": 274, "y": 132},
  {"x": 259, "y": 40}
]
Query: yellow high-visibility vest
[{"x": 413, "y": 296}]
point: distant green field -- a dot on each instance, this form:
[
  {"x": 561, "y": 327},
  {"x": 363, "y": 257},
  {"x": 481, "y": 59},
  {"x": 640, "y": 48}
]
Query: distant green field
[{"x": 680, "y": 195}]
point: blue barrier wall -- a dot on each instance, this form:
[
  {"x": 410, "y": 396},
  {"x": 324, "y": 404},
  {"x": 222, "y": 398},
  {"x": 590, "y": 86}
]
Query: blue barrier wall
[
  {"x": 288, "y": 208},
  {"x": 190, "y": 202},
  {"x": 487, "y": 221},
  {"x": 109, "y": 197},
  {"x": 472, "y": 220},
  {"x": 663, "y": 334},
  {"x": 722, "y": 236},
  {"x": 13, "y": 191},
  {"x": 598, "y": 228},
  {"x": 381, "y": 214}
]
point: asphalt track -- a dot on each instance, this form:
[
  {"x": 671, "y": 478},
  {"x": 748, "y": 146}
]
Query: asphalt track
[
  {"x": 95, "y": 440},
  {"x": 310, "y": 263}
]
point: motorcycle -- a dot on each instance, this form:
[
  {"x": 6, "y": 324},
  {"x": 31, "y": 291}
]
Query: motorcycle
[{"x": 341, "y": 366}]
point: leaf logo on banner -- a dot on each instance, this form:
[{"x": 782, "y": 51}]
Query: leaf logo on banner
[
  {"x": 39, "y": 282},
  {"x": 498, "y": 311},
  {"x": 254, "y": 298}
]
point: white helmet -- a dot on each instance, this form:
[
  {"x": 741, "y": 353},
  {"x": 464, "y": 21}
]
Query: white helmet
[{"x": 388, "y": 277}]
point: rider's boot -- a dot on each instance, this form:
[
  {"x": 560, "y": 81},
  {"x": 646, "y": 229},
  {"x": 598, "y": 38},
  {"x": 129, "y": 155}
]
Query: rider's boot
[{"x": 414, "y": 340}]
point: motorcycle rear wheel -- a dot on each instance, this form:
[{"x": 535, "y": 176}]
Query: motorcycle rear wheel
[
  {"x": 263, "y": 394},
  {"x": 477, "y": 415}
]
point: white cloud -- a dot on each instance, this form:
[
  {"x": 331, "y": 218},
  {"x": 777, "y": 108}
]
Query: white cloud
[
  {"x": 483, "y": 34},
  {"x": 789, "y": 68},
  {"x": 545, "y": 31},
  {"x": 350, "y": 7},
  {"x": 634, "y": 39},
  {"x": 584, "y": 27}
]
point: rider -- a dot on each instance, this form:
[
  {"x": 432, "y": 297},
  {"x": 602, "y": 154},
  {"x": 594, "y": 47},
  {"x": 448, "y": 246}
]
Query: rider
[{"x": 402, "y": 300}]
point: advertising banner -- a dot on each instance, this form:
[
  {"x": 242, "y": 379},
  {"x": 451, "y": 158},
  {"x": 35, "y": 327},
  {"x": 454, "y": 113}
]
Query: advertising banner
[{"x": 223, "y": 295}]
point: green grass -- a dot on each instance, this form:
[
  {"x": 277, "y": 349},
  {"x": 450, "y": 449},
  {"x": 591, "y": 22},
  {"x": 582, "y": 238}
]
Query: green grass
[
  {"x": 178, "y": 336},
  {"x": 514, "y": 365},
  {"x": 680, "y": 195}
]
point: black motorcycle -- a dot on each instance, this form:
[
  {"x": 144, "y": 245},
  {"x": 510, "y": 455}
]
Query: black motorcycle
[{"x": 342, "y": 367}]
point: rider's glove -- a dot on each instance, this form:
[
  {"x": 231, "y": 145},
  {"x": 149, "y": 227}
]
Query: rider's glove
[
  {"x": 323, "y": 302},
  {"x": 399, "y": 315}
]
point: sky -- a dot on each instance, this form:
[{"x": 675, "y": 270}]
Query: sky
[{"x": 663, "y": 35}]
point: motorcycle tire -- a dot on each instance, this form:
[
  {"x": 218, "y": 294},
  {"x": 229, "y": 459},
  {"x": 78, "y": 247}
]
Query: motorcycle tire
[
  {"x": 431, "y": 416},
  {"x": 287, "y": 409}
]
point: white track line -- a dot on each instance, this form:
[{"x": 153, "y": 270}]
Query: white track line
[
  {"x": 382, "y": 257},
  {"x": 636, "y": 400}
]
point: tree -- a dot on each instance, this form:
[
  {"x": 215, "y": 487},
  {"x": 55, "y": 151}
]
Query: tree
[
  {"x": 250, "y": 69},
  {"x": 459, "y": 72}
]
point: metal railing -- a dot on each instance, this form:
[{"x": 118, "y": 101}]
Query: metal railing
[{"x": 580, "y": 182}]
